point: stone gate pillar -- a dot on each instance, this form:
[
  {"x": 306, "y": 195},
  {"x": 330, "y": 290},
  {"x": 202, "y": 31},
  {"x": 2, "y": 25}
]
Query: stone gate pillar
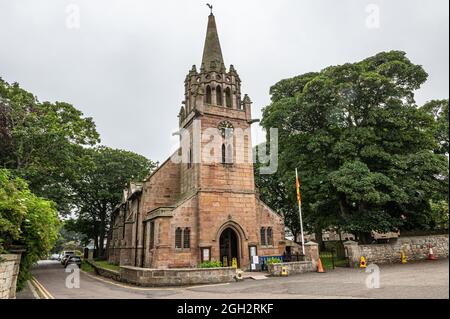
[
  {"x": 352, "y": 252},
  {"x": 312, "y": 252},
  {"x": 9, "y": 270}
]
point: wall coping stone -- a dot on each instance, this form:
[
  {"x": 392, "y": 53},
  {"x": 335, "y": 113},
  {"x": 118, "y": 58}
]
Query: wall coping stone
[
  {"x": 95, "y": 265},
  {"x": 9, "y": 257},
  {"x": 176, "y": 269},
  {"x": 311, "y": 243}
]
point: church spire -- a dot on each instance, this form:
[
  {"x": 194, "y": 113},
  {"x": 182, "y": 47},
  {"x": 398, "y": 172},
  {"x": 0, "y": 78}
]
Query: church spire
[
  {"x": 212, "y": 53},
  {"x": 214, "y": 87}
]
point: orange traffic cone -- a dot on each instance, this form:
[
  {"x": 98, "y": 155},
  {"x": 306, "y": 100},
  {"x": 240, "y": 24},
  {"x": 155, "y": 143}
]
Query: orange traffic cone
[
  {"x": 319, "y": 266},
  {"x": 431, "y": 255}
]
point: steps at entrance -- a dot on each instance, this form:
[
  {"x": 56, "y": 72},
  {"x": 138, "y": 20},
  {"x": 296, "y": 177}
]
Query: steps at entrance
[{"x": 255, "y": 275}]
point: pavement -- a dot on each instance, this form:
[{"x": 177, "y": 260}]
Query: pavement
[
  {"x": 28, "y": 292},
  {"x": 423, "y": 280}
]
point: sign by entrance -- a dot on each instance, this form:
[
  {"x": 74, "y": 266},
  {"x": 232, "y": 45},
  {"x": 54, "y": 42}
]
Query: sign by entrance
[
  {"x": 255, "y": 260},
  {"x": 225, "y": 261},
  {"x": 234, "y": 262},
  {"x": 206, "y": 254}
]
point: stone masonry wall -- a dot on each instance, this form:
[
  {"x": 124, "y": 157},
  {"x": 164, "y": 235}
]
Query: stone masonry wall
[
  {"x": 162, "y": 188},
  {"x": 297, "y": 267},
  {"x": 9, "y": 269},
  {"x": 164, "y": 254},
  {"x": 265, "y": 217},
  {"x": 175, "y": 277},
  {"x": 107, "y": 273},
  {"x": 220, "y": 210},
  {"x": 415, "y": 248}
]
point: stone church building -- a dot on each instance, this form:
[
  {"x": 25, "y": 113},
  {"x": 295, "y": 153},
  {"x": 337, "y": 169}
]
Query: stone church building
[{"x": 190, "y": 211}]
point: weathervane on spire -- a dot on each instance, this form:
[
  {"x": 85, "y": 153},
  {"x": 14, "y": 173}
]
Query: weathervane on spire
[{"x": 210, "y": 7}]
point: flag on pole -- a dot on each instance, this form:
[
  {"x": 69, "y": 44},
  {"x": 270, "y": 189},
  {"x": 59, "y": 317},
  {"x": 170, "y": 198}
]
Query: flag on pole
[{"x": 297, "y": 183}]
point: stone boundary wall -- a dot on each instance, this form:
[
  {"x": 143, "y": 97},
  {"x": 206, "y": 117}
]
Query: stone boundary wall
[
  {"x": 9, "y": 269},
  {"x": 176, "y": 277},
  {"x": 107, "y": 273},
  {"x": 147, "y": 277},
  {"x": 415, "y": 248},
  {"x": 297, "y": 267}
]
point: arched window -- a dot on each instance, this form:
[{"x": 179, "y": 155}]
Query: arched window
[
  {"x": 229, "y": 154},
  {"x": 152, "y": 235},
  {"x": 219, "y": 95},
  {"x": 228, "y": 100},
  {"x": 178, "y": 233},
  {"x": 224, "y": 154},
  {"x": 189, "y": 164},
  {"x": 208, "y": 95},
  {"x": 263, "y": 237},
  {"x": 269, "y": 236},
  {"x": 187, "y": 238}
]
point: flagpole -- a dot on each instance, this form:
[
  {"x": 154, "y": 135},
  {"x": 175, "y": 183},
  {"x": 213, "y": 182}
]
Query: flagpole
[{"x": 300, "y": 215}]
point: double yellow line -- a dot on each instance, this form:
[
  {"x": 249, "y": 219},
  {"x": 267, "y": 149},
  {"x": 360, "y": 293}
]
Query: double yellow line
[{"x": 41, "y": 289}]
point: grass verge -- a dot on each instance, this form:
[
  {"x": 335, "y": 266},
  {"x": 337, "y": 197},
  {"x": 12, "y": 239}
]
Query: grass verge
[
  {"x": 86, "y": 267},
  {"x": 105, "y": 264}
]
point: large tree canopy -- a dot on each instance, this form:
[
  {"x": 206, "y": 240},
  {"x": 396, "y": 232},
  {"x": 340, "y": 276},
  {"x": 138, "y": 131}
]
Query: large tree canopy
[
  {"x": 439, "y": 110},
  {"x": 99, "y": 188},
  {"x": 49, "y": 150},
  {"x": 368, "y": 157},
  {"x": 41, "y": 141},
  {"x": 27, "y": 220}
]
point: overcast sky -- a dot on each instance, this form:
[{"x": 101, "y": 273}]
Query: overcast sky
[{"x": 125, "y": 65}]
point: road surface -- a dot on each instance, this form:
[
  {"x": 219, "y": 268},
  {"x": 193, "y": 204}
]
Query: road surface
[{"x": 414, "y": 280}]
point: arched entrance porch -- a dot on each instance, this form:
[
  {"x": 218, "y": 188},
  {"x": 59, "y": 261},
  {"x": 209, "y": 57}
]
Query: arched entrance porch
[{"x": 229, "y": 247}]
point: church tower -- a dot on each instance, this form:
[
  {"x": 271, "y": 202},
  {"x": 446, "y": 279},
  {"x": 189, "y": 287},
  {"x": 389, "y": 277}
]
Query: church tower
[
  {"x": 213, "y": 101},
  {"x": 218, "y": 162},
  {"x": 204, "y": 207}
]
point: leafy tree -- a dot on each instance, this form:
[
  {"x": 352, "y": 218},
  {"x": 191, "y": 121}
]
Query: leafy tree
[
  {"x": 99, "y": 188},
  {"x": 40, "y": 142},
  {"x": 12, "y": 209},
  {"x": 439, "y": 214},
  {"x": 27, "y": 220},
  {"x": 277, "y": 195},
  {"x": 72, "y": 245},
  {"x": 439, "y": 110},
  {"x": 66, "y": 236},
  {"x": 366, "y": 153}
]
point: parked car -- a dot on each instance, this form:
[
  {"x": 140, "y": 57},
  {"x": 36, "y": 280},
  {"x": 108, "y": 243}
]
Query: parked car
[
  {"x": 54, "y": 257},
  {"x": 73, "y": 260},
  {"x": 65, "y": 255}
]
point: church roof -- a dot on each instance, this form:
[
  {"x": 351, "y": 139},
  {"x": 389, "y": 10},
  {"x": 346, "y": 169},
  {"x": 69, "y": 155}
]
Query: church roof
[{"x": 212, "y": 53}]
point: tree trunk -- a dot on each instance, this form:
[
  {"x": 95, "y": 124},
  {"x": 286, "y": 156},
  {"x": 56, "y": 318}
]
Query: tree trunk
[
  {"x": 101, "y": 243},
  {"x": 364, "y": 238},
  {"x": 101, "y": 249},
  {"x": 319, "y": 239},
  {"x": 102, "y": 232},
  {"x": 95, "y": 246}
]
